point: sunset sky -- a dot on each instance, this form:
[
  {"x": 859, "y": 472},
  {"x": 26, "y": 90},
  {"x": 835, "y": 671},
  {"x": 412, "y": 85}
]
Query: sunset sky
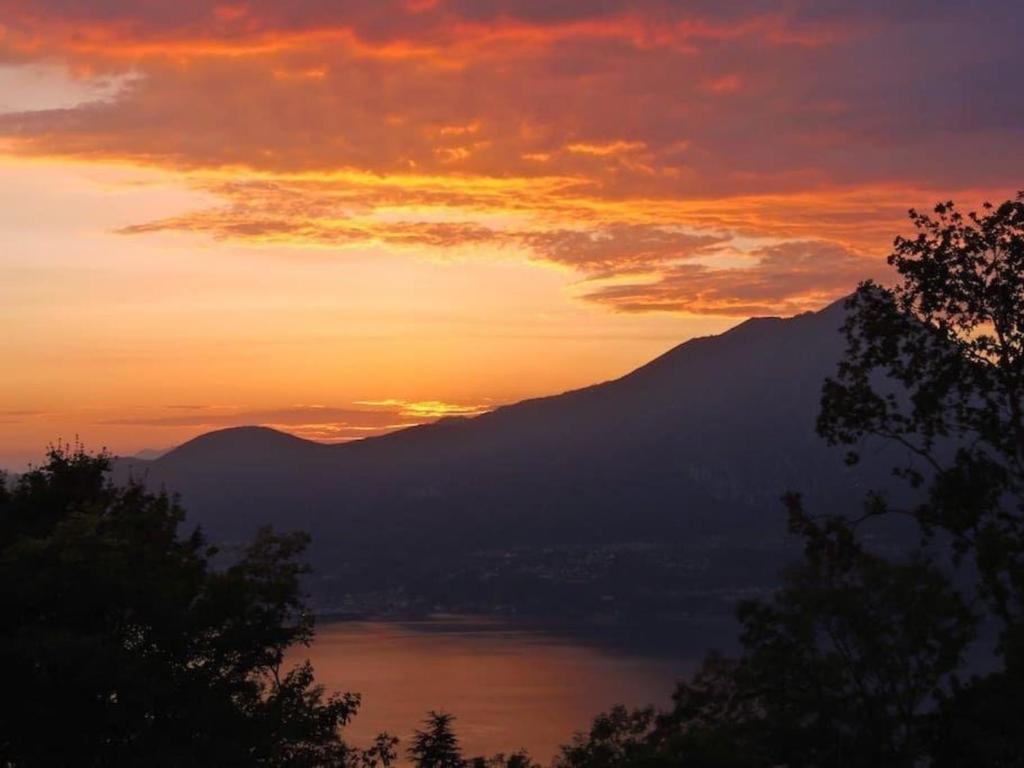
[{"x": 340, "y": 217}]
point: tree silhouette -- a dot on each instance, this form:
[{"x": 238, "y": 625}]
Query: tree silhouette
[
  {"x": 383, "y": 753},
  {"x": 936, "y": 365},
  {"x": 858, "y": 660},
  {"x": 123, "y": 646},
  {"x": 951, "y": 335},
  {"x": 838, "y": 669},
  {"x": 436, "y": 746},
  {"x": 618, "y": 737},
  {"x": 520, "y": 759}
]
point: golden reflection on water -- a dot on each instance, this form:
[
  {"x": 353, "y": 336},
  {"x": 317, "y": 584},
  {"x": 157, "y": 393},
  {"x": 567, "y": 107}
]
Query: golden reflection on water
[{"x": 509, "y": 688}]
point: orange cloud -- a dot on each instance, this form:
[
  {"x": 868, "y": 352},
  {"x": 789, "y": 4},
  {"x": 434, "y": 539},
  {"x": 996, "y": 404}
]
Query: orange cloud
[
  {"x": 451, "y": 31},
  {"x": 315, "y": 422},
  {"x": 789, "y": 278},
  {"x": 608, "y": 148},
  {"x": 724, "y": 83},
  {"x": 594, "y": 138}
]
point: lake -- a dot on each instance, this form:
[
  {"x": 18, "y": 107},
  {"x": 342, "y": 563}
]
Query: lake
[{"x": 510, "y": 685}]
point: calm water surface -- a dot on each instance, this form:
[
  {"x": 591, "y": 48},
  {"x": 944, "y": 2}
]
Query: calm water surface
[{"x": 509, "y": 687}]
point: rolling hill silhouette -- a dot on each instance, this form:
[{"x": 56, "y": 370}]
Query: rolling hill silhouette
[{"x": 695, "y": 447}]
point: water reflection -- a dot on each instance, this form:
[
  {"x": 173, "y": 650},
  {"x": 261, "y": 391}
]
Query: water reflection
[{"x": 510, "y": 687}]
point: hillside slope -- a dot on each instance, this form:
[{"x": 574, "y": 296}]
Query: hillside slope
[{"x": 693, "y": 448}]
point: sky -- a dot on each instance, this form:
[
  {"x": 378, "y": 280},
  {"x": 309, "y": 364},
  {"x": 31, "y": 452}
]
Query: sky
[{"x": 338, "y": 218}]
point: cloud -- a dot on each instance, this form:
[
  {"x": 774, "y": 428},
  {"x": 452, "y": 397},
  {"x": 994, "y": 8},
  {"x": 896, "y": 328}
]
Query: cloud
[
  {"x": 617, "y": 100},
  {"x": 612, "y": 249},
  {"x": 427, "y": 408},
  {"x": 556, "y": 219},
  {"x": 787, "y": 279},
  {"x": 607, "y": 148},
  {"x": 389, "y": 28},
  {"x": 612, "y": 138},
  {"x": 19, "y": 416},
  {"x": 620, "y": 248},
  {"x": 316, "y": 422}
]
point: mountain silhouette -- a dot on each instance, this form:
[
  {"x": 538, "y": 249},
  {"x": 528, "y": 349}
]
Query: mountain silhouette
[{"x": 696, "y": 446}]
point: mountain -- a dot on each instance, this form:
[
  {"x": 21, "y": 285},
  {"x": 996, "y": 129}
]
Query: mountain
[
  {"x": 148, "y": 454},
  {"x": 690, "y": 452}
]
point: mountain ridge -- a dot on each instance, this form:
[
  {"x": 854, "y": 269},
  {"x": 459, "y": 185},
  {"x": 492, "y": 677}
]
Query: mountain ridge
[
  {"x": 692, "y": 448},
  {"x": 266, "y": 434}
]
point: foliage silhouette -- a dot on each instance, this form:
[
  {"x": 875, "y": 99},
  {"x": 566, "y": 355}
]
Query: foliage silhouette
[
  {"x": 617, "y": 737},
  {"x": 118, "y": 633},
  {"x": 520, "y": 759},
  {"x": 383, "y": 753},
  {"x": 951, "y": 334},
  {"x": 838, "y": 669},
  {"x": 858, "y": 660},
  {"x": 436, "y": 746}
]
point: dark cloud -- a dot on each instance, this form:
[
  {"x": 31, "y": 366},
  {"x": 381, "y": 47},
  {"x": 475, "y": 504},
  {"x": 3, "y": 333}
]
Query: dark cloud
[{"x": 883, "y": 101}]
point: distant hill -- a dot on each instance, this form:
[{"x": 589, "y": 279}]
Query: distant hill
[{"x": 692, "y": 450}]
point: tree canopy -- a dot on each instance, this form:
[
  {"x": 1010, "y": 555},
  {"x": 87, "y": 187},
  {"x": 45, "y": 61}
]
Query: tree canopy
[{"x": 124, "y": 646}]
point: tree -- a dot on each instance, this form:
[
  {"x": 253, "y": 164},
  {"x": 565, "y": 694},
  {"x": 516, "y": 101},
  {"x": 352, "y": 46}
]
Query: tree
[
  {"x": 838, "y": 669},
  {"x": 951, "y": 336},
  {"x": 620, "y": 737},
  {"x": 857, "y": 660},
  {"x": 436, "y": 746},
  {"x": 382, "y": 754},
  {"x": 520, "y": 759},
  {"x": 936, "y": 365},
  {"x": 848, "y": 656},
  {"x": 124, "y": 646}
]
